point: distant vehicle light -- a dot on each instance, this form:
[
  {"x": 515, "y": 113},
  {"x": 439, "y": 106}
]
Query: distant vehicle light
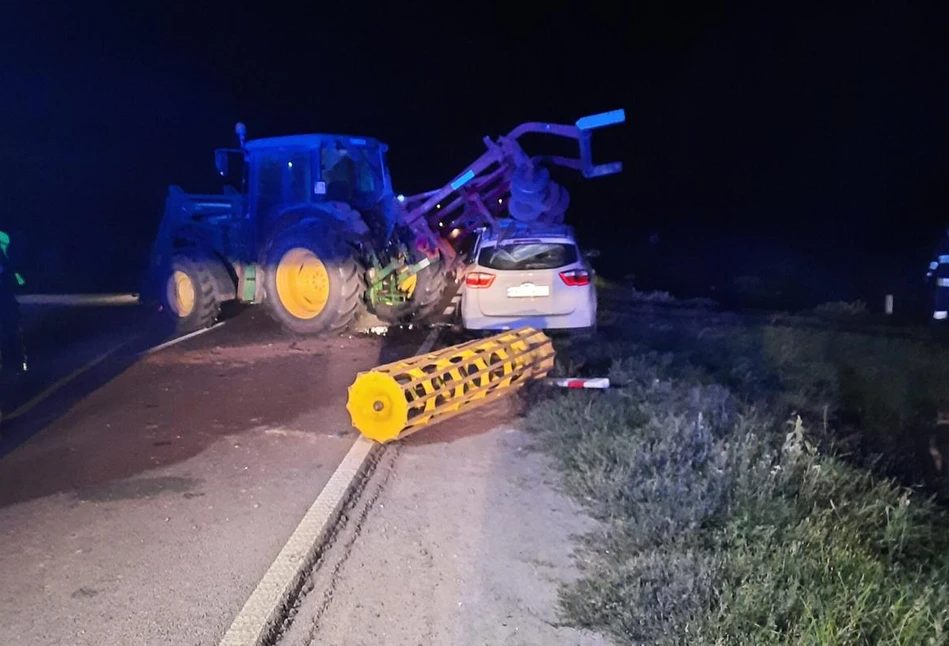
[
  {"x": 454, "y": 233},
  {"x": 401, "y": 198}
]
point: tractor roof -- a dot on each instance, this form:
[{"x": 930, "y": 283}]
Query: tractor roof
[{"x": 310, "y": 141}]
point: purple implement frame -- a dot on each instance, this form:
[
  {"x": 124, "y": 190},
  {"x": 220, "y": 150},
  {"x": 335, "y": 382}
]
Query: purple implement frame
[{"x": 476, "y": 198}]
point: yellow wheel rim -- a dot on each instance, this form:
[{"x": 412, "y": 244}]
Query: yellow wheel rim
[
  {"x": 183, "y": 295},
  {"x": 303, "y": 283}
]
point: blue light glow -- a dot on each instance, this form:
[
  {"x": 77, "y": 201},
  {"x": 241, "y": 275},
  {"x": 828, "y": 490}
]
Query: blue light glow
[
  {"x": 461, "y": 181},
  {"x": 602, "y": 119}
]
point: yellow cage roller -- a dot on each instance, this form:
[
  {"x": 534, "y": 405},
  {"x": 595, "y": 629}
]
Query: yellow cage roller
[{"x": 399, "y": 398}]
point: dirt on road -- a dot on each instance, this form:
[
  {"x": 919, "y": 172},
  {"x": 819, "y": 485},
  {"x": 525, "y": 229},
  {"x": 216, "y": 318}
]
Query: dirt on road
[
  {"x": 460, "y": 537},
  {"x": 146, "y": 508}
]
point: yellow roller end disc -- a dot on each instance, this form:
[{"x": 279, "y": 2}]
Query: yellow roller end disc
[{"x": 377, "y": 406}]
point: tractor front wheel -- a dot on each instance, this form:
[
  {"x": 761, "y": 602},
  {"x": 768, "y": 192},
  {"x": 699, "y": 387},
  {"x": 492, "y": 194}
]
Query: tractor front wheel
[
  {"x": 189, "y": 299},
  {"x": 312, "y": 285}
]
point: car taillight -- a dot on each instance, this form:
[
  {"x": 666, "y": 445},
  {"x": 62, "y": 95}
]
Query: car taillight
[
  {"x": 479, "y": 279},
  {"x": 575, "y": 277}
]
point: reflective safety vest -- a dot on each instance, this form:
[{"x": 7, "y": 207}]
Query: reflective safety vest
[{"x": 4, "y": 245}]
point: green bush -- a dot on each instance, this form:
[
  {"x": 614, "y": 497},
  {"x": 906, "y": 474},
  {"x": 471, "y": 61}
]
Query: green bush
[
  {"x": 717, "y": 525},
  {"x": 873, "y": 395},
  {"x": 651, "y": 297},
  {"x": 842, "y": 310},
  {"x": 819, "y": 553}
]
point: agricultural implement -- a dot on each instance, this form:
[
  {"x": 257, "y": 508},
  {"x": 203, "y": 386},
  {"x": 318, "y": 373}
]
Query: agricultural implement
[
  {"x": 393, "y": 401},
  {"x": 504, "y": 182},
  {"x": 316, "y": 233}
]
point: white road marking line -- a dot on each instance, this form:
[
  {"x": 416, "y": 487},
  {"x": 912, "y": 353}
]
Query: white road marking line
[
  {"x": 185, "y": 337},
  {"x": 78, "y": 300},
  {"x": 262, "y": 609},
  {"x": 255, "y": 621},
  {"x": 56, "y": 385},
  {"x": 449, "y": 311},
  {"x": 59, "y": 383},
  {"x": 456, "y": 299}
]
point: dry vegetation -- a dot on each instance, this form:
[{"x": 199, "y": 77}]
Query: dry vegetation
[{"x": 757, "y": 482}]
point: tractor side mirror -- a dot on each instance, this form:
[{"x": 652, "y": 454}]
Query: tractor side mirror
[{"x": 221, "y": 162}]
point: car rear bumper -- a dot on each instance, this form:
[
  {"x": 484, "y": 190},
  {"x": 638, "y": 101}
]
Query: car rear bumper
[{"x": 572, "y": 321}]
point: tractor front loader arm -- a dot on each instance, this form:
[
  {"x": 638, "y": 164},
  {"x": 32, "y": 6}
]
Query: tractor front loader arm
[{"x": 504, "y": 181}]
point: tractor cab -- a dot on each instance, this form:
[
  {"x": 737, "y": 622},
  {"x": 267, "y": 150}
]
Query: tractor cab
[{"x": 286, "y": 174}]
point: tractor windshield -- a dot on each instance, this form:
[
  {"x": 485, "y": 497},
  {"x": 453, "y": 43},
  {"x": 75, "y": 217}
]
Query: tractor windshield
[{"x": 353, "y": 173}]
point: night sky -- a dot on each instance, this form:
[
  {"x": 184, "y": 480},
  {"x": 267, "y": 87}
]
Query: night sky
[{"x": 754, "y": 138}]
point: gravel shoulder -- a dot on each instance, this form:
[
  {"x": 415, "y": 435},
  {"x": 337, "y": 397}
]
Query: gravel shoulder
[{"x": 460, "y": 537}]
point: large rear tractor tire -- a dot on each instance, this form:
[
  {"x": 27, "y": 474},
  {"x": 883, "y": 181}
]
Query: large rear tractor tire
[
  {"x": 425, "y": 296},
  {"x": 313, "y": 285},
  {"x": 189, "y": 299}
]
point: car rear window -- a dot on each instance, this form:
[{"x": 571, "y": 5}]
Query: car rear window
[{"x": 528, "y": 255}]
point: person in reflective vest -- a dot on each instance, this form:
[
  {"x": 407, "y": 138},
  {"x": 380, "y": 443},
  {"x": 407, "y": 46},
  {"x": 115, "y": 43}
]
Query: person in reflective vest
[
  {"x": 939, "y": 269},
  {"x": 12, "y": 351}
]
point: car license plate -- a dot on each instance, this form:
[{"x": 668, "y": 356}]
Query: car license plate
[{"x": 528, "y": 290}]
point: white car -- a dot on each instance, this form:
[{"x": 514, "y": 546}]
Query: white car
[{"x": 528, "y": 276}]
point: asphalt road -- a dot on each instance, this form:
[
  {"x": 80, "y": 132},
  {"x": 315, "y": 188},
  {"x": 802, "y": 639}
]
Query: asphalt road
[{"x": 143, "y": 499}]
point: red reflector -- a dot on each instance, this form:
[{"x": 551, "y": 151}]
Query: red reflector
[
  {"x": 575, "y": 278},
  {"x": 479, "y": 279}
]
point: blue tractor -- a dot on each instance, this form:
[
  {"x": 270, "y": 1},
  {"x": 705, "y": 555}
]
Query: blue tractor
[
  {"x": 314, "y": 234},
  {"x": 317, "y": 235}
]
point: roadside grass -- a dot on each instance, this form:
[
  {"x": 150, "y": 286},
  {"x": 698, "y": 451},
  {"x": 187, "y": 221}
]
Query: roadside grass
[{"x": 750, "y": 481}]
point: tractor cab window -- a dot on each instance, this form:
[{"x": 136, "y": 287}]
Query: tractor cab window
[
  {"x": 269, "y": 182},
  {"x": 351, "y": 174},
  {"x": 339, "y": 173},
  {"x": 282, "y": 180},
  {"x": 297, "y": 178},
  {"x": 369, "y": 169}
]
